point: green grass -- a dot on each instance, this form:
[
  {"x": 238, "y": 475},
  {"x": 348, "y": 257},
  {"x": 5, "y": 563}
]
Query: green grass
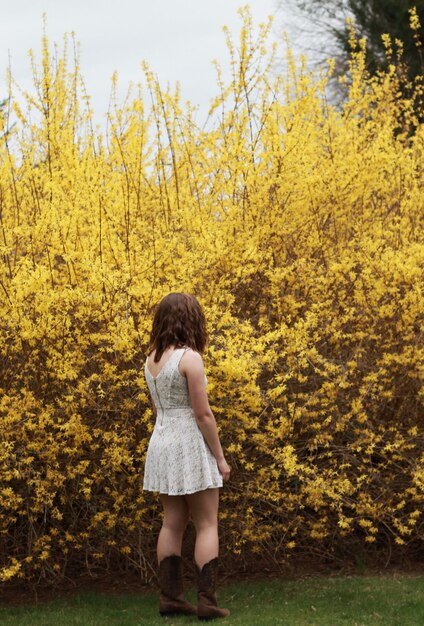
[{"x": 353, "y": 601}]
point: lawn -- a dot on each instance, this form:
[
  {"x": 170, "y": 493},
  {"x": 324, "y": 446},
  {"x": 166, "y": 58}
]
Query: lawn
[{"x": 324, "y": 601}]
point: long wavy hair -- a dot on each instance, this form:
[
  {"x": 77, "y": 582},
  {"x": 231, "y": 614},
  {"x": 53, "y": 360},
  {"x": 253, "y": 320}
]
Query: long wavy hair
[{"x": 179, "y": 321}]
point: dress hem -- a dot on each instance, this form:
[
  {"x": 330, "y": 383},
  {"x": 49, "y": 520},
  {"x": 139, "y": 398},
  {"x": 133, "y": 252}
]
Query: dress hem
[{"x": 181, "y": 493}]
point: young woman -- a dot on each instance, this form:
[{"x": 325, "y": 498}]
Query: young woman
[{"x": 184, "y": 462}]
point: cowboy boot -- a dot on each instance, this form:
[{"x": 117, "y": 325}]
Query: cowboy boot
[
  {"x": 207, "y": 607},
  {"x": 171, "y": 599}
]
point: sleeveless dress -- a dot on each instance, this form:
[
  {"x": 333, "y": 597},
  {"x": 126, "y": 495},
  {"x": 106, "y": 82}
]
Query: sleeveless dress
[{"x": 178, "y": 459}]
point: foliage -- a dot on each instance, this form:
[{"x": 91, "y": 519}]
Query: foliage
[
  {"x": 299, "y": 226},
  {"x": 3, "y": 118}
]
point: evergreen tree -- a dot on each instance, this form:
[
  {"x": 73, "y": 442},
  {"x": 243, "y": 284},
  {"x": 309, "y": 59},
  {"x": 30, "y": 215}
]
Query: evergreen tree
[{"x": 372, "y": 19}]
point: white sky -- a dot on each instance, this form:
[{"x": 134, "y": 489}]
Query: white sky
[{"x": 178, "y": 38}]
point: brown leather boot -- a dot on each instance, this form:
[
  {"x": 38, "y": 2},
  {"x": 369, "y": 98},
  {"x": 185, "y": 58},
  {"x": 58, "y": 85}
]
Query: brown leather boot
[
  {"x": 171, "y": 601},
  {"x": 207, "y": 607}
]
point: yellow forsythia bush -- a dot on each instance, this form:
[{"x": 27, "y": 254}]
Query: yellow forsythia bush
[{"x": 299, "y": 225}]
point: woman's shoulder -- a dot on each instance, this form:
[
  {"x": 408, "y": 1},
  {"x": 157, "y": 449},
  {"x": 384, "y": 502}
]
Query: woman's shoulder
[
  {"x": 191, "y": 354},
  {"x": 191, "y": 359}
]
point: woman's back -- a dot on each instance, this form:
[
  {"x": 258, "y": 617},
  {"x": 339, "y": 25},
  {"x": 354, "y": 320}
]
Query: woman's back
[{"x": 169, "y": 389}]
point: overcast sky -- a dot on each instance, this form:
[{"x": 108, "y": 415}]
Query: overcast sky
[{"x": 178, "y": 38}]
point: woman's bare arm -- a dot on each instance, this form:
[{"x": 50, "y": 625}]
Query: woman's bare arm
[{"x": 191, "y": 366}]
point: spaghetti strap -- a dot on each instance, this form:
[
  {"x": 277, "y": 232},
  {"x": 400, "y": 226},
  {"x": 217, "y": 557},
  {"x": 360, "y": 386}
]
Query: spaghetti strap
[{"x": 183, "y": 350}]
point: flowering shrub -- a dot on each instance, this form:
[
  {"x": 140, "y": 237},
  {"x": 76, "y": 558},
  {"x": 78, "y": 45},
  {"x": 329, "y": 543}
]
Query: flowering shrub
[{"x": 299, "y": 225}]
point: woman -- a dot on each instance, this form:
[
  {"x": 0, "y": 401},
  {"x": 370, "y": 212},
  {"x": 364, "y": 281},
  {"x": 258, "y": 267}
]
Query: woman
[{"x": 184, "y": 462}]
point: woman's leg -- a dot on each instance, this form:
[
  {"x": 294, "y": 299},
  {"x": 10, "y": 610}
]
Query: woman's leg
[
  {"x": 203, "y": 506},
  {"x": 175, "y": 518}
]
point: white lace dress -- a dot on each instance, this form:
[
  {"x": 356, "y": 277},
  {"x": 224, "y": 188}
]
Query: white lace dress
[{"x": 178, "y": 459}]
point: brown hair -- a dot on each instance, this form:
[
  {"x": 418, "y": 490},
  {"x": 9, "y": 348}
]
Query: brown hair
[{"x": 179, "y": 320}]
